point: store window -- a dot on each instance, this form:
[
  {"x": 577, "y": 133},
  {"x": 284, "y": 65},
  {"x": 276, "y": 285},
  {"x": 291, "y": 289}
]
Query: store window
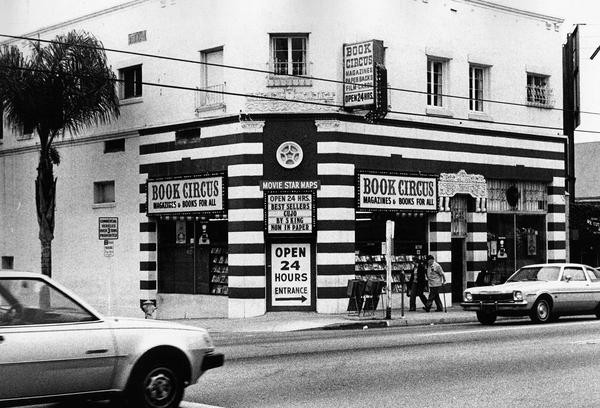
[
  {"x": 192, "y": 257},
  {"x": 526, "y": 196},
  {"x": 131, "y": 82},
  {"x": 514, "y": 241},
  {"x": 410, "y": 239}
]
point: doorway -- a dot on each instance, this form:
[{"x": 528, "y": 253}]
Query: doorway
[{"x": 458, "y": 269}]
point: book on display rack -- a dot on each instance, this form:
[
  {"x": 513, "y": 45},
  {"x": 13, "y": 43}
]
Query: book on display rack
[{"x": 219, "y": 270}]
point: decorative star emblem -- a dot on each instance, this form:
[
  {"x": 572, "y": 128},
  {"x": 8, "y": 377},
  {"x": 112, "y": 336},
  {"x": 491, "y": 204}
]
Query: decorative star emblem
[{"x": 289, "y": 155}]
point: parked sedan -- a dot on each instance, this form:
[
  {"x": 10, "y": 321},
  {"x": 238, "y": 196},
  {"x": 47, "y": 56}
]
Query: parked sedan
[
  {"x": 543, "y": 292},
  {"x": 54, "y": 346}
]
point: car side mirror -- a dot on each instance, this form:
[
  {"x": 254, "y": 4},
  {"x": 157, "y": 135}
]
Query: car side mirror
[{"x": 568, "y": 278}]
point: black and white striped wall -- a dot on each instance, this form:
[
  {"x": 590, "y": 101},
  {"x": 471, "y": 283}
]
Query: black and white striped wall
[
  {"x": 344, "y": 145},
  {"x": 237, "y": 149}
]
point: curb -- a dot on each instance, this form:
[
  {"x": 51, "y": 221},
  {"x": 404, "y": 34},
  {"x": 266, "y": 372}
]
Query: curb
[{"x": 355, "y": 325}]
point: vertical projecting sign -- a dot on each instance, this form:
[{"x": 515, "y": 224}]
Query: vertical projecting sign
[
  {"x": 360, "y": 60},
  {"x": 291, "y": 275}
]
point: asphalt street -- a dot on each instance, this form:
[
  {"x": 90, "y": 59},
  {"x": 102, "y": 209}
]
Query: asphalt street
[{"x": 468, "y": 365}]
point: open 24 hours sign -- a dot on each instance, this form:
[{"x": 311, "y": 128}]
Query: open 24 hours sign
[{"x": 291, "y": 275}]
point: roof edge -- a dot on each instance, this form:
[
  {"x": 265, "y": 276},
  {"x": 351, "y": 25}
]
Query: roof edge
[
  {"x": 75, "y": 20},
  {"x": 513, "y": 10}
]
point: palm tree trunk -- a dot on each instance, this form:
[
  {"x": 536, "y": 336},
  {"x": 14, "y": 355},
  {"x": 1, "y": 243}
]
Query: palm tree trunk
[
  {"x": 46, "y": 257},
  {"x": 45, "y": 194}
]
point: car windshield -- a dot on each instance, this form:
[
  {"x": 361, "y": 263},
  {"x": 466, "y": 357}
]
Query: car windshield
[{"x": 536, "y": 273}]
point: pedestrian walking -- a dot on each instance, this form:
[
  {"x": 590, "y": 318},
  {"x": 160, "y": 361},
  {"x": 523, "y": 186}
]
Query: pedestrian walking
[
  {"x": 418, "y": 283},
  {"x": 436, "y": 278}
]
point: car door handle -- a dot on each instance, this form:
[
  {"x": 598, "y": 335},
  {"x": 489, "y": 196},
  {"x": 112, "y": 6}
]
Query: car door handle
[
  {"x": 98, "y": 351},
  {"x": 1, "y": 339}
]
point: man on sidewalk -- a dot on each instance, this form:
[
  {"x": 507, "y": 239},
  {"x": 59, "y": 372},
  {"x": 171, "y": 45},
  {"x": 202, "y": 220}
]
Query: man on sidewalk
[{"x": 436, "y": 278}]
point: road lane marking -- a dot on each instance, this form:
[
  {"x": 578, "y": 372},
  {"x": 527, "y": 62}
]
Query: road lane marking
[
  {"x": 590, "y": 341},
  {"x": 495, "y": 329},
  {"x": 189, "y": 404}
]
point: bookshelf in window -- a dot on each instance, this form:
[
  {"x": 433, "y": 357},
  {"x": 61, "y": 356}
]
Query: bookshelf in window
[{"x": 219, "y": 271}]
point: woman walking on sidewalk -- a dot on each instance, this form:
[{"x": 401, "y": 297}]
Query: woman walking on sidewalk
[
  {"x": 418, "y": 282},
  {"x": 436, "y": 277}
]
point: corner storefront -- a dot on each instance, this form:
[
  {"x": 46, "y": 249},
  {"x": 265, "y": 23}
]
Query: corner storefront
[{"x": 280, "y": 214}]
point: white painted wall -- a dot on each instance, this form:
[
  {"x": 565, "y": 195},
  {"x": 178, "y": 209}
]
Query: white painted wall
[
  {"x": 78, "y": 255},
  {"x": 510, "y": 42}
]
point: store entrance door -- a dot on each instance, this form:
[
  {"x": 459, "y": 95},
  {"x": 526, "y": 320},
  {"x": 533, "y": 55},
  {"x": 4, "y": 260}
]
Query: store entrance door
[{"x": 458, "y": 269}]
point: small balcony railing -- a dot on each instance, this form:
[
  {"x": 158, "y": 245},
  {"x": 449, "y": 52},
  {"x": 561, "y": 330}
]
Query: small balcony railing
[
  {"x": 213, "y": 98},
  {"x": 540, "y": 96}
]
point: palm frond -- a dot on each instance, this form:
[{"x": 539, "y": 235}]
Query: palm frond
[{"x": 66, "y": 84}]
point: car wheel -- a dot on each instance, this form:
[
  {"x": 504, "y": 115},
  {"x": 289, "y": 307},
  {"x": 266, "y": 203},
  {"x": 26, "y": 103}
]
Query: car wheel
[
  {"x": 156, "y": 384},
  {"x": 486, "y": 318},
  {"x": 541, "y": 311}
]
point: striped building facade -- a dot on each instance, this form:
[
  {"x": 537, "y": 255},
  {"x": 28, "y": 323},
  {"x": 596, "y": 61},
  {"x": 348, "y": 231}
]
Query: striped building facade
[{"x": 343, "y": 146}]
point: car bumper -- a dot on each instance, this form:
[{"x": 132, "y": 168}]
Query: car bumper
[
  {"x": 483, "y": 306},
  {"x": 212, "y": 360}
]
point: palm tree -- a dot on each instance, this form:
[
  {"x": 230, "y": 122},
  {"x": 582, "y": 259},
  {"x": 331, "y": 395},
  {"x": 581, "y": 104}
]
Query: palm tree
[{"x": 65, "y": 85}]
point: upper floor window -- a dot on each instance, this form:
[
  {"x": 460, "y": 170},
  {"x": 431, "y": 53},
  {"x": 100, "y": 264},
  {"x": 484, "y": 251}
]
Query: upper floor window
[
  {"x": 289, "y": 54},
  {"x": 131, "y": 81},
  {"x": 104, "y": 192},
  {"x": 539, "y": 92},
  {"x": 476, "y": 87},
  {"x": 115, "y": 145},
  {"x": 26, "y": 131},
  {"x": 435, "y": 81},
  {"x": 211, "y": 78}
]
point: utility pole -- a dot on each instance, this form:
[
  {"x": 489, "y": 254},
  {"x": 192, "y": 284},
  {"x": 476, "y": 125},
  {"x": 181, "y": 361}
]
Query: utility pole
[{"x": 389, "y": 251}]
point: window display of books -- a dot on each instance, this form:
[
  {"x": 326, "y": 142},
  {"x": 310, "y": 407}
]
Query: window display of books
[
  {"x": 219, "y": 270},
  {"x": 374, "y": 267}
]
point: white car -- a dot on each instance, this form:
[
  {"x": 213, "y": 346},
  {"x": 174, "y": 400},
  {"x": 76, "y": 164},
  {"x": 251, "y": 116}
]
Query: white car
[
  {"x": 54, "y": 346},
  {"x": 543, "y": 292}
]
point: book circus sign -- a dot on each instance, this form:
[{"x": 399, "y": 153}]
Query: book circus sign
[
  {"x": 291, "y": 278},
  {"x": 360, "y": 60},
  {"x": 185, "y": 196},
  {"x": 381, "y": 192},
  {"x": 289, "y": 213}
]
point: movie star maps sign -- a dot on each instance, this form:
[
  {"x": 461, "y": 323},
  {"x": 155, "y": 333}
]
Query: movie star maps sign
[
  {"x": 189, "y": 195},
  {"x": 360, "y": 60},
  {"x": 392, "y": 192},
  {"x": 291, "y": 274}
]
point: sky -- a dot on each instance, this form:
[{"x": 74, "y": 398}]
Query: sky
[{"x": 23, "y": 16}]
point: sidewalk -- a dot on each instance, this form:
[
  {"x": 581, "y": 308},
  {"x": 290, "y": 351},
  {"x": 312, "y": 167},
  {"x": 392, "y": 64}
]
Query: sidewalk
[{"x": 293, "y": 321}]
